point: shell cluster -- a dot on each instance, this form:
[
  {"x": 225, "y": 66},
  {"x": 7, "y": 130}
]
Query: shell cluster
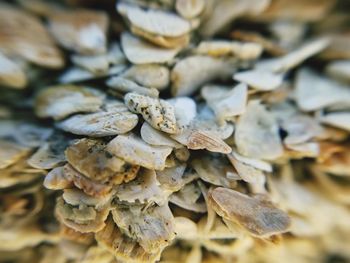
[{"x": 174, "y": 131}]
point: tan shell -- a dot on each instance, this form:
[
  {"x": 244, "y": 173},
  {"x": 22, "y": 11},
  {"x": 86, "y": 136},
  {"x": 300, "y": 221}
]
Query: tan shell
[
  {"x": 145, "y": 189},
  {"x": 98, "y": 254},
  {"x": 324, "y": 92},
  {"x": 84, "y": 219},
  {"x": 149, "y": 75},
  {"x": 257, "y": 135},
  {"x": 138, "y": 51},
  {"x": 11, "y": 74},
  {"x": 159, "y": 113},
  {"x": 205, "y": 140},
  {"x": 152, "y": 227},
  {"x": 34, "y": 45},
  {"x": 135, "y": 151},
  {"x": 261, "y": 80},
  {"x": 155, "y": 137},
  {"x": 90, "y": 187},
  {"x": 240, "y": 50},
  {"x": 76, "y": 197},
  {"x": 57, "y": 180},
  {"x": 123, "y": 247},
  {"x": 91, "y": 158},
  {"x": 83, "y": 31},
  {"x": 123, "y": 85},
  {"x": 11, "y": 152},
  {"x": 337, "y": 119},
  {"x": 113, "y": 118},
  {"x": 226, "y": 103},
  {"x": 191, "y": 72},
  {"x": 189, "y": 9},
  {"x": 155, "y": 21},
  {"x": 257, "y": 215},
  {"x": 60, "y": 101},
  {"x": 215, "y": 170}
]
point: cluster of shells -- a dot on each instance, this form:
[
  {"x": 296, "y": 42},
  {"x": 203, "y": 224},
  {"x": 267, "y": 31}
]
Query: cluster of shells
[{"x": 175, "y": 131}]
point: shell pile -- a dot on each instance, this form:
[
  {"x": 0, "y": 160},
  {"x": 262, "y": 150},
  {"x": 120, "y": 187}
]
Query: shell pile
[{"x": 175, "y": 131}]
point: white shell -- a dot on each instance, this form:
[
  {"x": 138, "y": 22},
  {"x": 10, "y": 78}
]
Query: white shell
[{"x": 260, "y": 79}]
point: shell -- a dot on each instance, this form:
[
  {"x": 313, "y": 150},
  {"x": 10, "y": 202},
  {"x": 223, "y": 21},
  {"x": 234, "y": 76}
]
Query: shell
[
  {"x": 337, "y": 119},
  {"x": 159, "y": 113},
  {"x": 261, "y": 80},
  {"x": 340, "y": 70},
  {"x": 257, "y": 215},
  {"x": 60, "y": 101},
  {"x": 11, "y": 74},
  {"x": 124, "y": 85},
  {"x": 189, "y": 9},
  {"x": 57, "y": 180},
  {"x": 80, "y": 30},
  {"x": 138, "y": 51},
  {"x": 11, "y": 152},
  {"x": 155, "y": 137},
  {"x": 113, "y": 118}
]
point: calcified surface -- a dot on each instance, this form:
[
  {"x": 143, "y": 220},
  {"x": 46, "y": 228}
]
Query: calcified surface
[{"x": 175, "y": 131}]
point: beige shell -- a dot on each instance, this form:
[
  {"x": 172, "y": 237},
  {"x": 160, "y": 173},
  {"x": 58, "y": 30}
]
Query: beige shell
[
  {"x": 261, "y": 80},
  {"x": 149, "y": 75},
  {"x": 240, "y": 50},
  {"x": 159, "y": 113},
  {"x": 151, "y": 227},
  {"x": 98, "y": 254},
  {"x": 189, "y": 9},
  {"x": 60, "y": 101},
  {"x": 339, "y": 69},
  {"x": 257, "y": 215},
  {"x": 155, "y": 137},
  {"x": 84, "y": 219},
  {"x": 257, "y": 134},
  {"x": 123, "y": 247},
  {"x": 57, "y": 180},
  {"x": 113, "y": 118},
  {"x": 11, "y": 74},
  {"x": 145, "y": 189},
  {"x": 11, "y": 152},
  {"x": 258, "y": 164},
  {"x": 76, "y": 197},
  {"x": 135, "y": 151},
  {"x": 215, "y": 170},
  {"x": 123, "y": 85},
  {"x": 89, "y": 186},
  {"x": 138, "y": 51},
  {"x": 188, "y": 198},
  {"x": 91, "y": 158},
  {"x": 226, "y": 103},
  {"x": 324, "y": 92},
  {"x": 34, "y": 45},
  {"x": 155, "y": 21},
  {"x": 191, "y": 72},
  {"x": 80, "y": 30},
  {"x": 337, "y": 119},
  {"x": 294, "y": 58}
]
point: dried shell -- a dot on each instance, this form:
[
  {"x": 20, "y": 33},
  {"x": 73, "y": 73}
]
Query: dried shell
[
  {"x": 205, "y": 140},
  {"x": 124, "y": 85},
  {"x": 144, "y": 189},
  {"x": 138, "y": 51},
  {"x": 60, "y": 101},
  {"x": 337, "y": 119},
  {"x": 155, "y": 137},
  {"x": 57, "y": 180},
  {"x": 155, "y": 21},
  {"x": 135, "y": 151},
  {"x": 159, "y": 113},
  {"x": 113, "y": 118},
  {"x": 83, "y": 31},
  {"x": 258, "y": 216},
  {"x": 11, "y": 152},
  {"x": 152, "y": 227},
  {"x": 226, "y": 103},
  {"x": 84, "y": 219},
  {"x": 339, "y": 70},
  {"x": 149, "y": 75},
  {"x": 190, "y": 73},
  {"x": 324, "y": 92},
  {"x": 260, "y": 79},
  {"x": 217, "y": 48},
  {"x": 258, "y": 164},
  {"x": 34, "y": 45},
  {"x": 257, "y": 134},
  {"x": 11, "y": 74},
  {"x": 189, "y": 9},
  {"x": 91, "y": 158},
  {"x": 123, "y": 247}
]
